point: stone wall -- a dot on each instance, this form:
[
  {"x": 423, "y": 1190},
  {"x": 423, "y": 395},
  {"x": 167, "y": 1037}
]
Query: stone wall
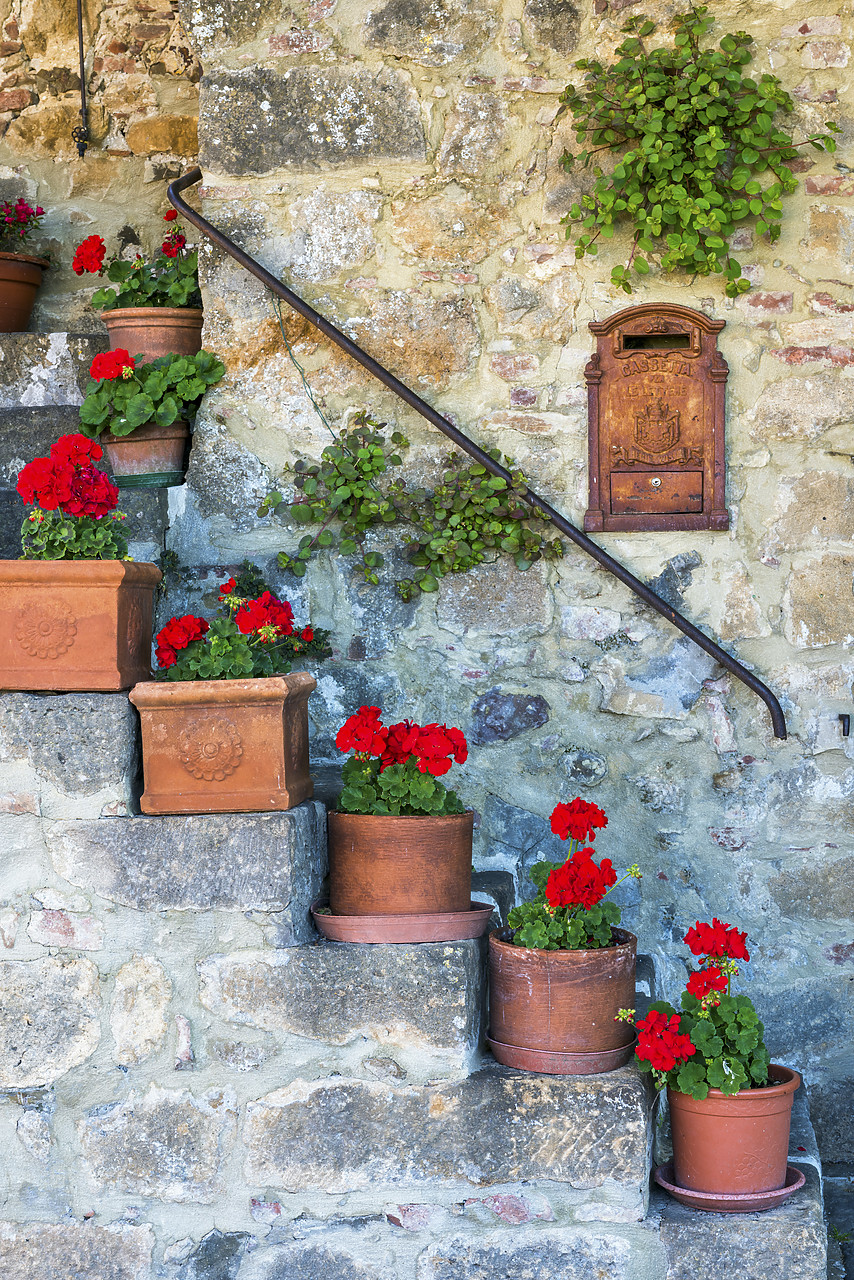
[
  {"x": 399, "y": 166},
  {"x": 142, "y": 86}
]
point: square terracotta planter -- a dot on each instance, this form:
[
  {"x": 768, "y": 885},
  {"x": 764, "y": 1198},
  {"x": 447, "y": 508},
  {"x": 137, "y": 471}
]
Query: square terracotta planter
[
  {"x": 75, "y": 625},
  {"x": 225, "y": 746}
]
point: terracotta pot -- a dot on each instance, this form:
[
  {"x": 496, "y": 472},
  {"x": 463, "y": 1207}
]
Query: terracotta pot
[
  {"x": 20, "y": 277},
  {"x": 68, "y": 625},
  {"x": 399, "y": 866},
  {"x": 554, "y": 1011},
  {"x": 154, "y": 331},
  {"x": 734, "y": 1144},
  {"x": 225, "y": 746},
  {"x": 151, "y": 457}
]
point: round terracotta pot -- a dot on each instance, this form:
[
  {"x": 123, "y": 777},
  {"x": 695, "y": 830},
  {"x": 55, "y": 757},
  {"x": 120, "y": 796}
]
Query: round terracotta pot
[
  {"x": 20, "y": 277},
  {"x": 154, "y": 331},
  {"x": 399, "y": 866},
  {"x": 554, "y": 1011},
  {"x": 151, "y": 457},
  {"x": 733, "y": 1144}
]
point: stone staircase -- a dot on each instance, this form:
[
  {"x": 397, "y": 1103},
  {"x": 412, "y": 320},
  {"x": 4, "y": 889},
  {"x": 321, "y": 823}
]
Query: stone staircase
[{"x": 194, "y": 1086}]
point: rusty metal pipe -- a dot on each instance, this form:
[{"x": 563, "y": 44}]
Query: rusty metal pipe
[{"x": 468, "y": 446}]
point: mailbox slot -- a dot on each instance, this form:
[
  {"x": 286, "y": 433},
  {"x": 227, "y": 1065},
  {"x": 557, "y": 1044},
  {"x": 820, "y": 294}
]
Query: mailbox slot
[
  {"x": 656, "y": 341},
  {"x": 668, "y": 491}
]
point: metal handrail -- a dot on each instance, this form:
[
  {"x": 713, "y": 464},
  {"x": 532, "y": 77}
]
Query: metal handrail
[{"x": 460, "y": 439}]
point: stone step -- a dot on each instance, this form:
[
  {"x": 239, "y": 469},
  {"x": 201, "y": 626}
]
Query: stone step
[
  {"x": 70, "y": 755},
  {"x": 587, "y": 1136},
  {"x": 258, "y": 862},
  {"x": 413, "y": 1012},
  {"x": 495, "y": 1216}
]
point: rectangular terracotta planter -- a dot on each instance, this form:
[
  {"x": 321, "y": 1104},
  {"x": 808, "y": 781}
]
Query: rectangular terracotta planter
[
  {"x": 224, "y": 746},
  {"x": 75, "y": 625}
]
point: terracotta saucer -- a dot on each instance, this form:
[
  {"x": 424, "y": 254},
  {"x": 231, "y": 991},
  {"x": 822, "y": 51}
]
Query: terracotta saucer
[
  {"x": 552, "y": 1063},
  {"x": 448, "y": 926},
  {"x": 729, "y": 1202}
]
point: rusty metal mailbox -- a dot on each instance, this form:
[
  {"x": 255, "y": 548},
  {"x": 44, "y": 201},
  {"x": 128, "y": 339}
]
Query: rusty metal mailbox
[{"x": 655, "y": 392}]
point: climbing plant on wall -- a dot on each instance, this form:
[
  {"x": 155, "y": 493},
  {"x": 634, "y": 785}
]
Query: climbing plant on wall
[
  {"x": 698, "y": 152},
  {"x": 469, "y": 516}
]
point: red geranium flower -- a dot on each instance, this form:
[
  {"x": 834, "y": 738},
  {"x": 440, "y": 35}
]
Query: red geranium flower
[
  {"x": 266, "y": 611},
  {"x": 227, "y": 587},
  {"x": 363, "y": 732},
  {"x": 400, "y": 743},
  {"x": 177, "y": 634},
  {"x": 660, "y": 1042},
  {"x": 110, "y": 364},
  {"x": 75, "y": 449},
  {"x": 173, "y": 243},
  {"x": 306, "y": 634},
  {"x": 437, "y": 746},
  {"x": 170, "y": 215},
  {"x": 68, "y": 480},
  {"x": 578, "y": 820},
  {"x": 703, "y": 982},
  {"x": 717, "y": 939},
  {"x": 579, "y": 882},
  {"x": 89, "y": 256}
]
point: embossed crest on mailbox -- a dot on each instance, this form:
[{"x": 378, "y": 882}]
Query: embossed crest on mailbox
[{"x": 655, "y": 392}]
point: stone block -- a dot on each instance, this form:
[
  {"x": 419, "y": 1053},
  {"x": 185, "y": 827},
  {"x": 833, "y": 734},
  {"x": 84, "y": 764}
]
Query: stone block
[
  {"x": 231, "y": 23},
  {"x": 553, "y": 24},
  {"x": 801, "y": 408},
  {"x": 450, "y": 228},
  {"x": 310, "y": 1260},
  {"x": 495, "y": 1127},
  {"x": 259, "y": 120},
  {"x": 335, "y": 232},
  {"x": 47, "y": 1251},
  {"x": 225, "y": 862},
  {"x": 498, "y": 717},
  {"x": 820, "y": 891},
  {"x": 420, "y": 339},
  {"x": 832, "y": 1116},
  {"x": 38, "y": 370},
  {"x": 474, "y": 134},
  {"x": 426, "y": 1000},
  {"x": 496, "y": 600},
  {"x": 49, "y": 1019},
  {"x": 138, "y": 1010},
  {"x": 165, "y": 1144},
  {"x": 176, "y": 135},
  {"x": 431, "y": 35},
  {"x": 787, "y": 1243},
  {"x": 818, "y": 607},
  {"x": 80, "y": 751},
  {"x": 529, "y": 1255}
]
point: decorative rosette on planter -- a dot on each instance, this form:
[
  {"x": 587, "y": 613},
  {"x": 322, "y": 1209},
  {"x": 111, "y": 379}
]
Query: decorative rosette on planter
[
  {"x": 20, "y": 273},
  {"x": 75, "y": 612},
  {"x": 730, "y": 1107},
  {"x": 141, "y": 411},
  {"x": 400, "y": 843},
  {"x": 224, "y": 727},
  {"x": 563, "y": 971},
  {"x": 156, "y": 308}
]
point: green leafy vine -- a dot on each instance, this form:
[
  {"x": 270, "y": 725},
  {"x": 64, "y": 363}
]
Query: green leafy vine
[
  {"x": 469, "y": 517},
  {"x": 698, "y": 150}
]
